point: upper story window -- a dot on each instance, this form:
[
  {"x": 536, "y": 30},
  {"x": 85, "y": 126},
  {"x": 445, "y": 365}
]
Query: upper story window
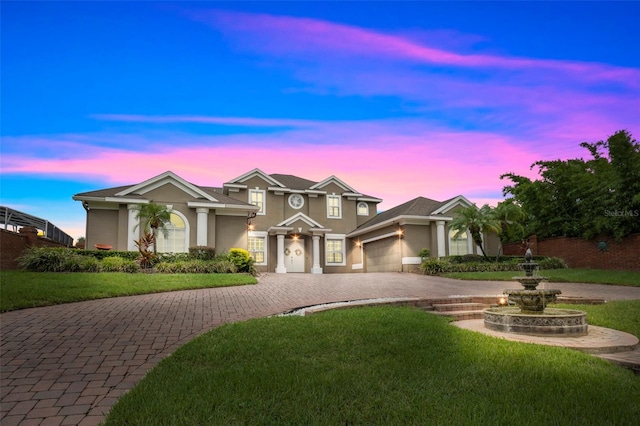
[
  {"x": 257, "y": 197},
  {"x": 334, "y": 206},
  {"x": 296, "y": 201},
  {"x": 363, "y": 209}
]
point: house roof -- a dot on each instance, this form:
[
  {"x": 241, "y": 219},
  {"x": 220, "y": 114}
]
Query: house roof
[
  {"x": 420, "y": 209},
  {"x": 290, "y": 183},
  {"x": 212, "y": 192},
  {"x": 293, "y": 182},
  {"x": 419, "y": 206}
]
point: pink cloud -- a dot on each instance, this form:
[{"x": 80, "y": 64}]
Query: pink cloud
[{"x": 373, "y": 157}]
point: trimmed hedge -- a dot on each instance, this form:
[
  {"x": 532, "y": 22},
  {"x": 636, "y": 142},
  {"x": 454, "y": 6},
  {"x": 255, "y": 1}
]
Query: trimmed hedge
[
  {"x": 217, "y": 266},
  {"x": 119, "y": 264},
  {"x": 454, "y": 264},
  {"x": 199, "y": 260}
]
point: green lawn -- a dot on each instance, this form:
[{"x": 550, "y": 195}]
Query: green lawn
[
  {"x": 378, "y": 366},
  {"x": 19, "y": 289},
  {"x": 589, "y": 276}
]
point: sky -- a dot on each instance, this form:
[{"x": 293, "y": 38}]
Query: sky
[{"x": 397, "y": 99}]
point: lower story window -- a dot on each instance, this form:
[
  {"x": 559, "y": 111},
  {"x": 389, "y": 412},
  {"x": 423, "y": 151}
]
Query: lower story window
[
  {"x": 458, "y": 245},
  {"x": 256, "y": 246},
  {"x": 174, "y": 237},
  {"x": 334, "y": 250}
]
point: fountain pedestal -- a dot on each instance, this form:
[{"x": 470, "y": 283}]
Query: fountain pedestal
[{"x": 531, "y": 316}]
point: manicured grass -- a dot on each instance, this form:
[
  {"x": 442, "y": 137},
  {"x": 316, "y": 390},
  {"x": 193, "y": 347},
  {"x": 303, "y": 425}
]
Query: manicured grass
[
  {"x": 623, "y": 315},
  {"x": 382, "y": 366},
  {"x": 19, "y": 289},
  {"x": 590, "y": 276}
]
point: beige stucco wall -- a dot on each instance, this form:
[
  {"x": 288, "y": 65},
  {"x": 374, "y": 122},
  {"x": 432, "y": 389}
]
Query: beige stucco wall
[
  {"x": 231, "y": 232},
  {"x": 102, "y": 228},
  {"x": 416, "y": 237}
]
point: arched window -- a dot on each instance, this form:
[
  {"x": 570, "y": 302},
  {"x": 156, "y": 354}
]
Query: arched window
[
  {"x": 363, "y": 209},
  {"x": 177, "y": 235},
  {"x": 460, "y": 245}
]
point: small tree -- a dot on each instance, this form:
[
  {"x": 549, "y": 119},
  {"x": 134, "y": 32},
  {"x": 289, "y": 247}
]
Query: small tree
[
  {"x": 146, "y": 259},
  {"x": 155, "y": 218},
  {"x": 477, "y": 221}
]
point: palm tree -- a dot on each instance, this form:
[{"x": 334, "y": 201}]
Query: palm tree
[
  {"x": 477, "y": 221},
  {"x": 510, "y": 216},
  {"x": 155, "y": 218}
]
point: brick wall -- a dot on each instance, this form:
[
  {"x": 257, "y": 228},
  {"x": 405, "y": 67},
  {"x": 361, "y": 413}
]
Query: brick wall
[
  {"x": 12, "y": 244},
  {"x": 581, "y": 253}
]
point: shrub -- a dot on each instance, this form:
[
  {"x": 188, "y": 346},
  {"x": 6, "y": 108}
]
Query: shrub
[
  {"x": 424, "y": 253},
  {"x": 202, "y": 253},
  {"x": 218, "y": 266},
  {"x": 89, "y": 264},
  {"x": 464, "y": 264},
  {"x": 223, "y": 266},
  {"x": 118, "y": 264},
  {"x": 46, "y": 259},
  {"x": 552, "y": 263},
  {"x": 435, "y": 266},
  {"x": 467, "y": 258},
  {"x": 103, "y": 254},
  {"x": 242, "y": 260}
]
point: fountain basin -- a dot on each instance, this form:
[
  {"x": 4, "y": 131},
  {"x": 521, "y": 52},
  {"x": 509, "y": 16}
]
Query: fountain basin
[
  {"x": 532, "y": 301},
  {"x": 551, "y": 322}
]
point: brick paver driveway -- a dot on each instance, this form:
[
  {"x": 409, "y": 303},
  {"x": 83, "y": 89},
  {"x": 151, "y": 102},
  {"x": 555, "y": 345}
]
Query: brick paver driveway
[{"x": 68, "y": 364}]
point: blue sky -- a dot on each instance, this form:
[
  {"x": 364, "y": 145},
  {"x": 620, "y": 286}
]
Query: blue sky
[{"x": 398, "y": 99}]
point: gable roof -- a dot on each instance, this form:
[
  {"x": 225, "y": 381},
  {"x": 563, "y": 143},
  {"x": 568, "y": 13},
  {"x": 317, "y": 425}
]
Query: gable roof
[
  {"x": 304, "y": 218},
  {"x": 133, "y": 193},
  {"x": 333, "y": 179},
  {"x": 419, "y": 209},
  {"x": 167, "y": 177},
  {"x": 293, "y": 182},
  {"x": 240, "y": 180}
]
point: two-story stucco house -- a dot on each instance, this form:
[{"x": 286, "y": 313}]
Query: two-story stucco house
[{"x": 288, "y": 223}]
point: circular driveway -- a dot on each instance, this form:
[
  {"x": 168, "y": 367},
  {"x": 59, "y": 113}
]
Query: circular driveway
[{"x": 68, "y": 364}]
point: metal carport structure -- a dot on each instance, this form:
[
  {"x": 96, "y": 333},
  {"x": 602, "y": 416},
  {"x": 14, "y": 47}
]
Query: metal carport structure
[{"x": 18, "y": 219}]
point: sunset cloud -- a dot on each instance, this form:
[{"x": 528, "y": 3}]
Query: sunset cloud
[{"x": 396, "y": 103}]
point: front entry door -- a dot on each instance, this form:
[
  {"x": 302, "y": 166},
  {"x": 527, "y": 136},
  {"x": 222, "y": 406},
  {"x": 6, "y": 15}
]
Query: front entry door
[{"x": 294, "y": 255}]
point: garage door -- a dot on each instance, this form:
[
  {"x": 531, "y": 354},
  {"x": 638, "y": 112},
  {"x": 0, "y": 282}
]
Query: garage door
[{"x": 382, "y": 255}]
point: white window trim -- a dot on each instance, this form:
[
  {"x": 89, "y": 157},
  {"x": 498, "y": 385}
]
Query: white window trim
[
  {"x": 358, "y": 208},
  {"x": 341, "y": 237},
  {"x": 294, "y": 207},
  {"x": 264, "y": 200},
  {"x": 265, "y": 235},
  {"x": 469, "y": 243},
  {"x": 339, "y": 198},
  {"x": 187, "y": 230}
]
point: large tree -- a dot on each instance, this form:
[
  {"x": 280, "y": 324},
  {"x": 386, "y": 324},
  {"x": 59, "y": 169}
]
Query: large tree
[
  {"x": 584, "y": 198},
  {"x": 511, "y": 218}
]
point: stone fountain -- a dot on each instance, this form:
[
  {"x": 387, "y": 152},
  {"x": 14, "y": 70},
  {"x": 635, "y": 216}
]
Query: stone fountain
[{"x": 531, "y": 315}]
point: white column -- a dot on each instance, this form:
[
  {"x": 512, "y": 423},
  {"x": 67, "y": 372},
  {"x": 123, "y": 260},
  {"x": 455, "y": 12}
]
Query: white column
[
  {"x": 280, "y": 268},
  {"x": 132, "y": 227},
  {"x": 440, "y": 238},
  {"x": 203, "y": 219},
  {"x": 316, "y": 269}
]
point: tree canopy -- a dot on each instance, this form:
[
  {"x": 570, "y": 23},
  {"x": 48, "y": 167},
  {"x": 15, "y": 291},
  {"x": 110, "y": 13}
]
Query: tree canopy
[{"x": 583, "y": 198}]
